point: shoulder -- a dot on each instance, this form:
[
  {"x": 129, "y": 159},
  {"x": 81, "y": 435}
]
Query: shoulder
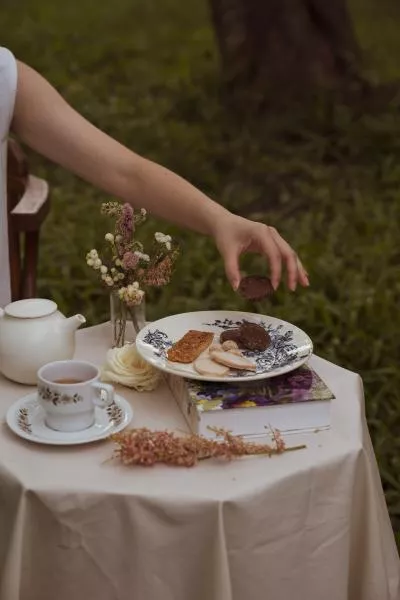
[{"x": 8, "y": 88}]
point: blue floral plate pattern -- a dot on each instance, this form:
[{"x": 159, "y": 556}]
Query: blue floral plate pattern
[{"x": 289, "y": 349}]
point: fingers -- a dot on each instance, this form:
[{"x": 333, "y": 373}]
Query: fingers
[
  {"x": 303, "y": 275},
  {"x": 271, "y": 249},
  {"x": 295, "y": 270},
  {"x": 231, "y": 262}
]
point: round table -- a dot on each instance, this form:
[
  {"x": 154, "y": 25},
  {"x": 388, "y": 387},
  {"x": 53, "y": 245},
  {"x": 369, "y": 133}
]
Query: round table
[{"x": 309, "y": 525}]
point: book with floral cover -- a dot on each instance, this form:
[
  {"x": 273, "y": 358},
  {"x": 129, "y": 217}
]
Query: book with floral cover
[{"x": 298, "y": 401}]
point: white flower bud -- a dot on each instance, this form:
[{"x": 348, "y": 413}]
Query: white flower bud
[
  {"x": 109, "y": 238},
  {"x": 142, "y": 256},
  {"x": 103, "y": 269},
  {"x": 118, "y": 262},
  {"x": 97, "y": 263},
  {"x": 90, "y": 262}
]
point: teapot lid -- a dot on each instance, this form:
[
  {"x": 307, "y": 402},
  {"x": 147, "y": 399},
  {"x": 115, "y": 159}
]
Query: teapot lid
[{"x": 30, "y": 308}]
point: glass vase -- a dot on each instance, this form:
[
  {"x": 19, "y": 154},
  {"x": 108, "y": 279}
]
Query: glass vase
[{"x": 126, "y": 321}]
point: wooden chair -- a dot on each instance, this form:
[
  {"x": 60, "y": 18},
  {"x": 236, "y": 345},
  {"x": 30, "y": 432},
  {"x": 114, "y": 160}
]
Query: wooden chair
[{"x": 28, "y": 205}]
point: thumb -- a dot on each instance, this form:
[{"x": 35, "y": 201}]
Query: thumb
[{"x": 231, "y": 262}]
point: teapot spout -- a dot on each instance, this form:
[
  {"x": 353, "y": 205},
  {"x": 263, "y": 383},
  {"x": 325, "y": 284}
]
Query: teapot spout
[{"x": 73, "y": 323}]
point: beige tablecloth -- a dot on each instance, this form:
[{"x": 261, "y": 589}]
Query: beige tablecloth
[{"x": 307, "y": 525}]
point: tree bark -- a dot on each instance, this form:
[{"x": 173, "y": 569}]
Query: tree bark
[{"x": 283, "y": 50}]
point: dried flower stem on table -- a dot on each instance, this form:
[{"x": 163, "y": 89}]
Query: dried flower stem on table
[{"x": 145, "y": 447}]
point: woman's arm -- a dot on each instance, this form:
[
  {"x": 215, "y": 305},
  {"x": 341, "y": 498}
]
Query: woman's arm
[{"x": 46, "y": 123}]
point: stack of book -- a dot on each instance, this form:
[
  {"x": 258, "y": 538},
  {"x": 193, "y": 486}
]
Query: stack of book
[{"x": 293, "y": 403}]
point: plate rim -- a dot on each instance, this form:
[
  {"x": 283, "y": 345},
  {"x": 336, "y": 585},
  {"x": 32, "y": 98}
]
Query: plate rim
[
  {"x": 20, "y": 402},
  {"x": 228, "y": 379}
]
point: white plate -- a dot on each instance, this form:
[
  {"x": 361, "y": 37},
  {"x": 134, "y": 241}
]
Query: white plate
[
  {"x": 290, "y": 346},
  {"x": 26, "y": 418}
]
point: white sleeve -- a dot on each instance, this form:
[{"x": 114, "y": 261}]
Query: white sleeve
[{"x": 8, "y": 88}]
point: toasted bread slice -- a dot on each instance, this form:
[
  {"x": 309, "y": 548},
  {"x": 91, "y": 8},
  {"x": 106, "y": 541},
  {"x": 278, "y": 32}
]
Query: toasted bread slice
[{"x": 190, "y": 346}]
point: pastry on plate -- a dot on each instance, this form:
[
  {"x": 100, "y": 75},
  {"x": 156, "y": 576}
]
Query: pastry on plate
[
  {"x": 204, "y": 365},
  {"x": 190, "y": 346},
  {"x": 233, "y": 361}
]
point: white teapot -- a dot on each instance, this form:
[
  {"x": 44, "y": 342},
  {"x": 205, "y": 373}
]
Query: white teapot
[{"x": 32, "y": 333}]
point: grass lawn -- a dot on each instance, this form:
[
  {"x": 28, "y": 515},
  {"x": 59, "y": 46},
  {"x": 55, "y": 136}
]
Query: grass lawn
[{"x": 147, "y": 73}]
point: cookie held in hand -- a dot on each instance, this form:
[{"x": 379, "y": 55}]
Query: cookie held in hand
[{"x": 255, "y": 287}]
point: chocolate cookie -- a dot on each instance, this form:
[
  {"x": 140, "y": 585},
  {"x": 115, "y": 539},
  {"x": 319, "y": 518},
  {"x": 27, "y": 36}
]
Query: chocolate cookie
[
  {"x": 254, "y": 337},
  {"x": 231, "y": 334},
  {"x": 248, "y": 336},
  {"x": 255, "y": 287}
]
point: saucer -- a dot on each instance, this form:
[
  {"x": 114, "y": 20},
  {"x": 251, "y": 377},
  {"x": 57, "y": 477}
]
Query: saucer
[{"x": 26, "y": 418}]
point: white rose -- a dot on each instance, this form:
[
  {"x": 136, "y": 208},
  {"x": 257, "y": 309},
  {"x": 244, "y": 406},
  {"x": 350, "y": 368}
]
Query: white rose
[{"x": 126, "y": 366}]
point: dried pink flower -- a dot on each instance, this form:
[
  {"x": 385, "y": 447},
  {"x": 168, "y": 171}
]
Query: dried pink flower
[
  {"x": 145, "y": 447},
  {"x": 130, "y": 261},
  {"x": 160, "y": 273},
  {"x": 125, "y": 223}
]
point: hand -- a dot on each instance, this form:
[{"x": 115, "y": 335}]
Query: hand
[{"x": 235, "y": 235}]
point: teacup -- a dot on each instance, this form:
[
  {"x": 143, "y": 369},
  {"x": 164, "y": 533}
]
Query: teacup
[{"x": 69, "y": 391}]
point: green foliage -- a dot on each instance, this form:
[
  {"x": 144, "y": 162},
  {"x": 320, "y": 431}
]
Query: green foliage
[{"x": 146, "y": 72}]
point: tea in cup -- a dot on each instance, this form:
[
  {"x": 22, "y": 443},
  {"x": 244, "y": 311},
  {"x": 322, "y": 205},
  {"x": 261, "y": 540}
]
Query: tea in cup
[{"x": 69, "y": 391}]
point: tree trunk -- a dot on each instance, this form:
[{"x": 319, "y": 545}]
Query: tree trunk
[{"x": 282, "y": 50}]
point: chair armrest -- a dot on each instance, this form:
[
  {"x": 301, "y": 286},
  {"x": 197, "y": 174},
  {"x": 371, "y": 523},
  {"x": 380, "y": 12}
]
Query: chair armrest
[{"x": 33, "y": 207}]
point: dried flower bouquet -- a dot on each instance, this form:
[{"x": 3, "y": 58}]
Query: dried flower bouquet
[{"x": 125, "y": 269}]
